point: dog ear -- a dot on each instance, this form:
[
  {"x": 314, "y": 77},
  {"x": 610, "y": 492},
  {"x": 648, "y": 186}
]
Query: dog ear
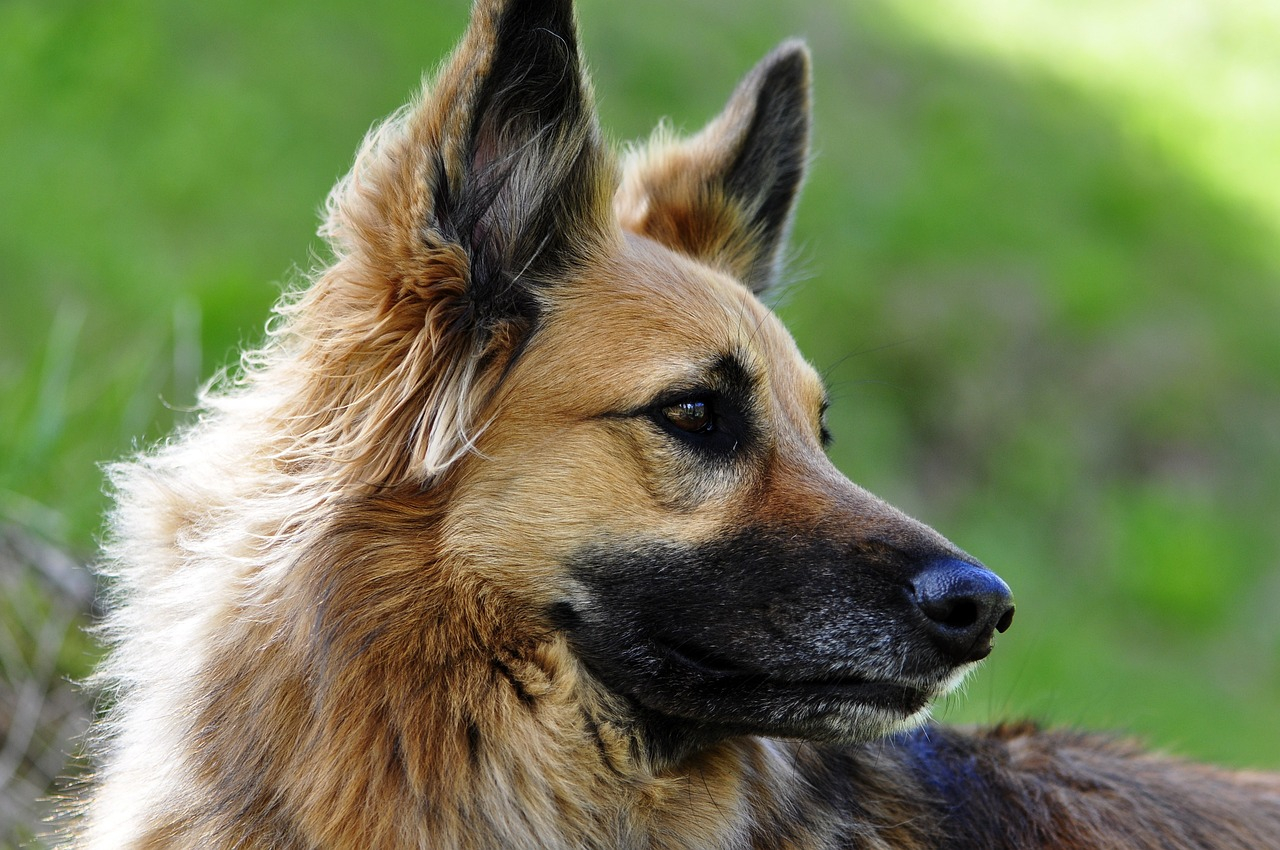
[
  {"x": 525, "y": 183},
  {"x": 726, "y": 195},
  {"x": 501, "y": 158},
  {"x": 457, "y": 212}
]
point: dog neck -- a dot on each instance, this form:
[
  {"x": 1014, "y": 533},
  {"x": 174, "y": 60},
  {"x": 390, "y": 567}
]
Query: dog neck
[{"x": 474, "y": 726}]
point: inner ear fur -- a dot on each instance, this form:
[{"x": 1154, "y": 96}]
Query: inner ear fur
[
  {"x": 725, "y": 196},
  {"x": 501, "y": 157},
  {"x": 458, "y": 212}
]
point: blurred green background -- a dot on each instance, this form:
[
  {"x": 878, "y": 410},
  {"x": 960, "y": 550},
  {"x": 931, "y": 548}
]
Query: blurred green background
[{"x": 1038, "y": 260}]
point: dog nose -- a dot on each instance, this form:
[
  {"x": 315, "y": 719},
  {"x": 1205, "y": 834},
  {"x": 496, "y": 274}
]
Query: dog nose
[{"x": 964, "y": 605}]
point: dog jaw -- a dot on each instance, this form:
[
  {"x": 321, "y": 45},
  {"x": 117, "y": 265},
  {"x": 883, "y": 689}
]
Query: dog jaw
[{"x": 739, "y": 587}]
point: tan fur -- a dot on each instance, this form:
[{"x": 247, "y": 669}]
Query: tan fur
[
  {"x": 669, "y": 195},
  {"x": 331, "y": 622}
]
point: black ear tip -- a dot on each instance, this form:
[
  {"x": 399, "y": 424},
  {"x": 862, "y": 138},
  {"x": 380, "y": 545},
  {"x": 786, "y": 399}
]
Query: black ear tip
[
  {"x": 781, "y": 80},
  {"x": 794, "y": 50},
  {"x": 789, "y": 60},
  {"x": 556, "y": 15}
]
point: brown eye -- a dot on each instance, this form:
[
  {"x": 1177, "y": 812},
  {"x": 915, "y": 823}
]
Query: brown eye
[{"x": 691, "y": 416}]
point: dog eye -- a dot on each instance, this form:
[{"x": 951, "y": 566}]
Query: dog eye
[
  {"x": 692, "y": 416},
  {"x": 824, "y": 433}
]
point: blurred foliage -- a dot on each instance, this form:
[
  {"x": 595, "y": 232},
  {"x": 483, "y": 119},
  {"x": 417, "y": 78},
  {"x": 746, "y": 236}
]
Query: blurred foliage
[
  {"x": 1038, "y": 259},
  {"x": 44, "y": 599}
]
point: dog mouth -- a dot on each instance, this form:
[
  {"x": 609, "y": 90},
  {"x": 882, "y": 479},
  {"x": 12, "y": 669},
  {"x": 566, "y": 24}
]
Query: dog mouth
[
  {"x": 840, "y": 686},
  {"x": 760, "y": 635}
]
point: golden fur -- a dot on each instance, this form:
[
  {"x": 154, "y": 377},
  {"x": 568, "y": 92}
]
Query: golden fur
[{"x": 331, "y": 620}]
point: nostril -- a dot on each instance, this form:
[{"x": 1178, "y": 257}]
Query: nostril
[
  {"x": 963, "y": 614},
  {"x": 963, "y": 605},
  {"x": 953, "y": 613},
  {"x": 1005, "y": 621}
]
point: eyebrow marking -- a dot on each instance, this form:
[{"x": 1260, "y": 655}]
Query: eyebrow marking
[{"x": 726, "y": 374}]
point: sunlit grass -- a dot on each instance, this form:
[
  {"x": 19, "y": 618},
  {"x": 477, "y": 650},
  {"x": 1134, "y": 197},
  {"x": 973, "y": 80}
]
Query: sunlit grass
[{"x": 1199, "y": 78}]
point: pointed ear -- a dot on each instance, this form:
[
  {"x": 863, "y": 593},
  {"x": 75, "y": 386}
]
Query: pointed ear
[
  {"x": 458, "y": 212},
  {"x": 528, "y": 181},
  {"x": 500, "y": 159},
  {"x": 725, "y": 196}
]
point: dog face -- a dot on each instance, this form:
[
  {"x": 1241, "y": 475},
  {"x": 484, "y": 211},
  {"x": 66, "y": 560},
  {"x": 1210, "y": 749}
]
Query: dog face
[
  {"x": 631, "y": 442},
  {"x": 655, "y": 470}
]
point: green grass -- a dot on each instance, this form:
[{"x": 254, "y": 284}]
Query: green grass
[
  {"x": 1042, "y": 277},
  {"x": 1199, "y": 81}
]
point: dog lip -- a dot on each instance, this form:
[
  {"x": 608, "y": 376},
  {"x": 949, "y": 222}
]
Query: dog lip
[
  {"x": 887, "y": 695},
  {"x": 699, "y": 658},
  {"x": 842, "y": 685}
]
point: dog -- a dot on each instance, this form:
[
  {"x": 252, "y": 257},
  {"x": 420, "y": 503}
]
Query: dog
[{"x": 518, "y": 532}]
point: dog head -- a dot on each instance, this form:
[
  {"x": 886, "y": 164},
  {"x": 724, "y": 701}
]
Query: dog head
[{"x": 573, "y": 352}]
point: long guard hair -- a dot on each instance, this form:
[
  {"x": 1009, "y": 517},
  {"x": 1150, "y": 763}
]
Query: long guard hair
[{"x": 518, "y": 533}]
